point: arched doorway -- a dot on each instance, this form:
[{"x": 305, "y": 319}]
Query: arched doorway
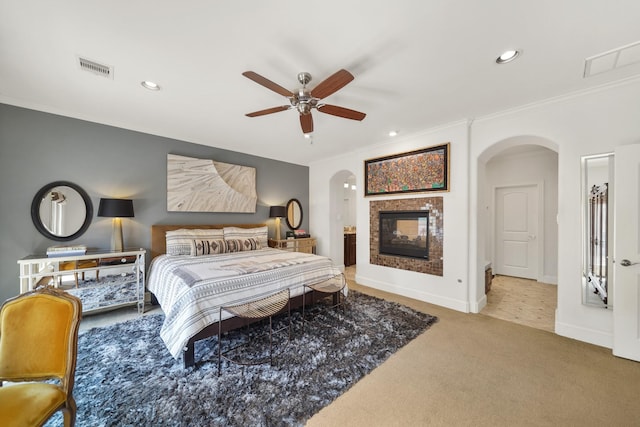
[
  {"x": 518, "y": 193},
  {"x": 343, "y": 211}
]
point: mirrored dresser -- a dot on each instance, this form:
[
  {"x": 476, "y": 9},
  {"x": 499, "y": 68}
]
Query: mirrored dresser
[{"x": 103, "y": 280}]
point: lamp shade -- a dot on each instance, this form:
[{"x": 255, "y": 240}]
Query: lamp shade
[
  {"x": 116, "y": 208},
  {"x": 277, "y": 212}
]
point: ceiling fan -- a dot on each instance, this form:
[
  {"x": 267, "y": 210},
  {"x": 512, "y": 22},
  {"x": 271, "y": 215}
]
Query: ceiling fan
[{"x": 304, "y": 100}]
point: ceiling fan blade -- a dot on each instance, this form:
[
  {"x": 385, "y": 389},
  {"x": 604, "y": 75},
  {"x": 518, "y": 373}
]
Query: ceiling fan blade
[
  {"x": 332, "y": 84},
  {"x": 267, "y": 83},
  {"x": 268, "y": 111},
  {"x": 306, "y": 121},
  {"x": 346, "y": 113}
]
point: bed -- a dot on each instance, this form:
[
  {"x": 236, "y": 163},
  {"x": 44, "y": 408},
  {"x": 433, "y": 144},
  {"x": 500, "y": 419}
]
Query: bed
[{"x": 195, "y": 269}]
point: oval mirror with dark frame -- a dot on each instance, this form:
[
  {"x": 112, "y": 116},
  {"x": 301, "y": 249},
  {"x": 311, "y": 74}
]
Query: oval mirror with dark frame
[
  {"x": 294, "y": 214},
  {"x": 61, "y": 211}
]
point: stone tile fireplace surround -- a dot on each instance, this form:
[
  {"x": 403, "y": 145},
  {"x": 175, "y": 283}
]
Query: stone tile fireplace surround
[{"x": 434, "y": 205}]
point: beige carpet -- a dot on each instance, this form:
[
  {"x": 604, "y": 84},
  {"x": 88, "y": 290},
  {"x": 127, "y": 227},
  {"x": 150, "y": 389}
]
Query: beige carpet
[{"x": 476, "y": 370}]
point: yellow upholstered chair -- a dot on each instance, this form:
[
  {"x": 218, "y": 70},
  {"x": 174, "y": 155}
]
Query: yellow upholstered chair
[{"x": 38, "y": 342}]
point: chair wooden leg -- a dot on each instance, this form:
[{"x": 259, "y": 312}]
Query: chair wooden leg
[{"x": 69, "y": 412}]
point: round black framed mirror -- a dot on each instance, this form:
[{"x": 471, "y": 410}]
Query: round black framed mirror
[
  {"x": 294, "y": 214},
  {"x": 61, "y": 211}
]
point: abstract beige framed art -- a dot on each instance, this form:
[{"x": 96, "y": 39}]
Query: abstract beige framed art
[{"x": 205, "y": 185}]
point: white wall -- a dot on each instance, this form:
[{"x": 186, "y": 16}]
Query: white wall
[
  {"x": 584, "y": 124},
  {"x": 451, "y": 289},
  {"x": 574, "y": 126}
]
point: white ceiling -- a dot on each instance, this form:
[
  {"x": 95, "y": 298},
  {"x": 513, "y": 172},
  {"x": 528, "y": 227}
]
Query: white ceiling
[{"x": 417, "y": 63}]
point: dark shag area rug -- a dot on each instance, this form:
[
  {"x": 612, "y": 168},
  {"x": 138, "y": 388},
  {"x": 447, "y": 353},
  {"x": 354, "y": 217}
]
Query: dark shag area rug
[{"x": 126, "y": 377}]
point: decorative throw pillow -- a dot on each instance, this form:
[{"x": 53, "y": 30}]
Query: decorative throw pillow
[
  {"x": 260, "y": 234},
  {"x": 209, "y": 247},
  {"x": 239, "y": 245},
  {"x": 180, "y": 242}
]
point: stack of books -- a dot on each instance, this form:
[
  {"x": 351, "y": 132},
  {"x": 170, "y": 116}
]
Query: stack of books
[
  {"x": 300, "y": 233},
  {"x": 61, "y": 250}
]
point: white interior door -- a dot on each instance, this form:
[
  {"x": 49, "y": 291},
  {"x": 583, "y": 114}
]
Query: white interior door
[
  {"x": 516, "y": 242},
  {"x": 626, "y": 286}
]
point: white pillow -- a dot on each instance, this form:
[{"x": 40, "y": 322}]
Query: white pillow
[
  {"x": 260, "y": 234},
  {"x": 181, "y": 242}
]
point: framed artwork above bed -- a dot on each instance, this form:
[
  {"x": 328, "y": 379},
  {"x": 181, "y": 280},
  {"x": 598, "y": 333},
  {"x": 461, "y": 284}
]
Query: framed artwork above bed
[{"x": 204, "y": 185}]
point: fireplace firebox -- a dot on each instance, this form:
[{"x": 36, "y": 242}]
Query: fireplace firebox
[{"x": 404, "y": 233}]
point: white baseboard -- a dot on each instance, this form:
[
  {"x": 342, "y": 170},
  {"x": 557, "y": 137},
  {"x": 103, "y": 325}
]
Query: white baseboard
[
  {"x": 447, "y": 302},
  {"x": 591, "y": 336},
  {"x": 476, "y": 307},
  {"x": 551, "y": 280}
]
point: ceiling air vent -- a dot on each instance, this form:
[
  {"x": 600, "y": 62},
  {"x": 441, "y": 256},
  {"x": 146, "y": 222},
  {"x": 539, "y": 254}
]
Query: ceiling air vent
[
  {"x": 95, "y": 67},
  {"x": 615, "y": 58}
]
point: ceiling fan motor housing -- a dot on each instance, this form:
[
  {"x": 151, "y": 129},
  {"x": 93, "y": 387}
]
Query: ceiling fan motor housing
[{"x": 303, "y": 101}]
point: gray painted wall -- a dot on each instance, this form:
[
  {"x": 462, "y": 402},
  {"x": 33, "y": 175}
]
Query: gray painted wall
[{"x": 38, "y": 148}]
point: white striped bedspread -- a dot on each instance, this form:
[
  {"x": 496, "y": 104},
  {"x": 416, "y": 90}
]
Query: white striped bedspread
[{"x": 191, "y": 289}]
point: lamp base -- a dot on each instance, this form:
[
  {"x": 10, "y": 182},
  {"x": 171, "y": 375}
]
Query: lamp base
[
  {"x": 116, "y": 235},
  {"x": 278, "y": 235}
]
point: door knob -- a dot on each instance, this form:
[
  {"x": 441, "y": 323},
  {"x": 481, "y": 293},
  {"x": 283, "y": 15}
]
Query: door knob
[{"x": 627, "y": 263}]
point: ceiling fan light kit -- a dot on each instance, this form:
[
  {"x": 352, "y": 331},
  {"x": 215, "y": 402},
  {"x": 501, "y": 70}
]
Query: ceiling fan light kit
[{"x": 304, "y": 100}]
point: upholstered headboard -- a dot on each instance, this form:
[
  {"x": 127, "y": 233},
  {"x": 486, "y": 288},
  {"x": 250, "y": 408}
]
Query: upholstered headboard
[{"x": 158, "y": 233}]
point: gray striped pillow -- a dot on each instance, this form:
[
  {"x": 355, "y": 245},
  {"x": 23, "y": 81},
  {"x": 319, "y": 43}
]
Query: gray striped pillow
[{"x": 260, "y": 234}]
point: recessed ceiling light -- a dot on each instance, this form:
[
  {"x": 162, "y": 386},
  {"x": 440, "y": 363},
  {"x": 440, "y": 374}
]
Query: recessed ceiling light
[
  {"x": 508, "y": 56},
  {"x": 393, "y": 133},
  {"x": 150, "y": 85},
  {"x": 307, "y": 135}
]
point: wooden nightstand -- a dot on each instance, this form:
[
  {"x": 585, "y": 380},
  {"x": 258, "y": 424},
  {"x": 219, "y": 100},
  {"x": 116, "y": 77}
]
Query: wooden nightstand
[{"x": 303, "y": 244}]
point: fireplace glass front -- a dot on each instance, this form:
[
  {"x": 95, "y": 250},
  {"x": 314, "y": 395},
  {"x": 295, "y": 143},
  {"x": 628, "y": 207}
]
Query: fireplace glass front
[{"x": 404, "y": 233}]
